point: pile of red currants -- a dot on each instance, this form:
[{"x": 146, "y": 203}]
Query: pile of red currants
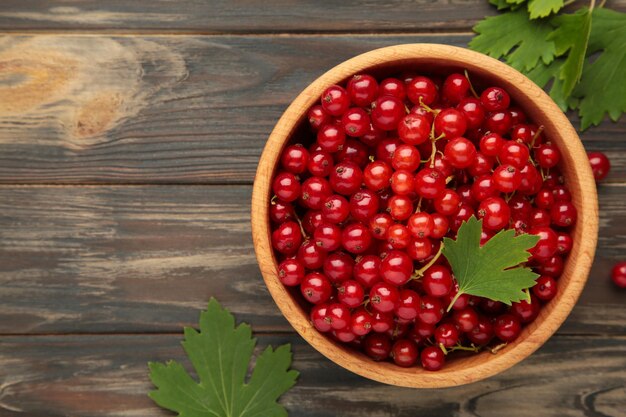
[{"x": 389, "y": 168}]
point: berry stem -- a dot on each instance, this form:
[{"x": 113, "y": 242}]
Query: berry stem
[
  {"x": 419, "y": 205},
  {"x": 459, "y": 346},
  {"x": 428, "y": 109},
  {"x": 456, "y": 297},
  {"x": 420, "y": 272},
  {"x": 304, "y": 233},
  {"x": 470, "y": 83},
  {"x": 539, "y": 130},
  {"x": 497, "y": 348}
]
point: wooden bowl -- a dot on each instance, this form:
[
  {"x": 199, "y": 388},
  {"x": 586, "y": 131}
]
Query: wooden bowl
[{"x": 431, "y": 58}]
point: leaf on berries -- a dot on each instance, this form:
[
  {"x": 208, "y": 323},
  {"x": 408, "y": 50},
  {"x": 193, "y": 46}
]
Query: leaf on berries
[
  {"x": 602, "y": 87},
  {"x": 494, "y": 270},
  {"x": 543, "y": 8},
  {"x": 523, "y": 42},
  {"x": 220, "y": 354},
  {"x": 571, "y": 37}
]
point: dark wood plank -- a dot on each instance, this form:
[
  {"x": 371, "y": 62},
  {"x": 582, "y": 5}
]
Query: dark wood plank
[
  {"x": 169, "y": 109},
  {"x": 147, "y": 258},
  {"x": 94, "y": 376},
  {"x": 239, "y": 16}
]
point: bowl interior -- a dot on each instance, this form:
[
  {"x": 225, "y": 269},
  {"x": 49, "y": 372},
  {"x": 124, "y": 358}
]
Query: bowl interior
[{"x": 436, "y": 60}]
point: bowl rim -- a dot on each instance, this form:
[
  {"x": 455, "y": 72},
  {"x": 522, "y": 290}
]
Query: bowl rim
[{"x": 580, "y": 182}]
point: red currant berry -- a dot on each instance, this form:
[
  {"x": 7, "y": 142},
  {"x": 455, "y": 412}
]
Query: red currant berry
[
  {"x": 402, "y": 182},
  {"x": 526, "y": 311},
  {"x": 455, "y": 88},
  {"x": 335, "y": 100},
  {"x": 331, "y": 138},
  {"x": 545, "y": 288},
  {"x": 335, "y": 209},
  {"x": 437, "y": 281},
  {"x": 281, "y": 212},
  {"x": 377, "y": 346},
  {"x": 447, "y": 203},
  {"x": 491, "y": 143},
  {"x": 466, "y": 319},
  {"x": 386, "y": 149},
  {"x": 362, "y": 89},
  {"x": 315, "y": 191},
  {"x": 460, "y": 152},
  {"x": 440, "y": 226},
  {"x": 320, "y": 163},
  {"x": 506, "y": 178},
  {"x": 379, "y": 225},
  {"x": 482, "y": 333},
  {"x": 547, "y": 155},
  {"x": 290, "y": 272},
  {"x": 473, "y": 111},
  {"x": 373, "y": 136},
  {"x": 495, "y": 213},
  {"x": 564, "y": 243},
  {"x": 338, "y": 266},
  {"x": 447, "y": 335},
  {"x": 398, "y": 236},
  {"x": 408, "y": 305},
  {"x": 507, "y": 327},
  {"x": 286, "y": 186},
  {"x": 618, "y": 274},
  {"x": 295, "y": 159},
  {"x": 422, "y": 88},
  {"x": 498, "y": 122},
  {"x": 287, "y": 238},
  {"x": 327, "y": 236},
  {"x": 396, "y": 268},
  {"x": 406, "y": 157},
  {"x": 355, "y": 122},
  {"x": 319, "y": 318},
  {"x": 387, "y": 112},
  {"x": 346, "y": 178},
  {"x": 311, "y": 220},
  {"x": 544, "y": 199},
  {"x": 420, "y": 249},
  {"x": 495, "y": 99},
  {"x": 431, "y": 310},
  {"x": 432, "y": 358},
  {"x": 414, "y": 129},
  {"x": 429, "y": 183},
  {"x": 400, "y": 207},
  {"x": 392, "y": 87},
  {"x": 311, "y": 255},
  {"x": 318, "y": 117},
  {"x": 316, "y": 288},
  {"x": 483, "y": 188},
  {"x": 482, "y": 165},
  {"x": 356, "y": 238},
  {"x": 513, "y": 153},
  {"x": 384, "y": 297},
  {"x": 563, "y": 214},
  {"x": 361, "y": 322},
  {"x": 367, "y": 271},
  {"x": 404, "y": 353},
  {"x": 364, "y": 204},
  {"x": 600, "y": 165},
  {"x": 547, "y": 244},
  {"x": 377, "y": 175},
  {"x": 451, "y": 123},
  {"x": 465, "y": 212}
]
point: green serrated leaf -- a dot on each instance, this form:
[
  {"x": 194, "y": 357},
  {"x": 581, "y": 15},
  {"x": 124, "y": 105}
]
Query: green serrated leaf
[
  {"x": 504, "y": 4},
  {"x": 543, "y": 8},
  {"x": 513, "y": 35},
  {"x": 571, "y": 35},
  {"x": 542, "y": 75},
  {"x": 602, "y": 87},
  {"x": 492, "y": 271},
  {"x": 220, "y": 354},
  {"x": 515, "y": 1}
]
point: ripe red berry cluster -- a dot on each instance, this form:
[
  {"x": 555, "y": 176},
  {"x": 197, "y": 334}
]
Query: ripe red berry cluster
[{"x": 390, "y": 167}]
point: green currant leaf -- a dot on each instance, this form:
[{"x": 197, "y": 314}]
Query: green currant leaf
[
  {"x": 602, "y": 87},
  {"x": 542, "y": 75},
  {"x": 492, "y": 271},
  {"x": 543, "y": 8},
  {"x": 515, "y": 2},
  {"x": 571, "y": 34},
  {"x": 513, "y": 35},
  {"x": 220, "y": 354},
  {"x": 504, "y": 4}
]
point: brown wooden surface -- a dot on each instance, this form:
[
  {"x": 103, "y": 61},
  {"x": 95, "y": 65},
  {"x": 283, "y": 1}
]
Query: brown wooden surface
[
  {"x": 165, "y": 109},
  {"x": 96, "y": 280}
]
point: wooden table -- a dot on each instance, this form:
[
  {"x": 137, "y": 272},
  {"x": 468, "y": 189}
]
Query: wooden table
[{"x": 129, "y": 136}]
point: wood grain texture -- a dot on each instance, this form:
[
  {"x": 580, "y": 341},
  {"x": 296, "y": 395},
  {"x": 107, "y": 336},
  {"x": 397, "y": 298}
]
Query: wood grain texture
[
  {"x": 93, "y": 376},
  {"x": 159, "y": 109},
  {"x": 241, "y": 16},
  {"x": 147, "y": 258},
  {"x": 574, "y": 166}
]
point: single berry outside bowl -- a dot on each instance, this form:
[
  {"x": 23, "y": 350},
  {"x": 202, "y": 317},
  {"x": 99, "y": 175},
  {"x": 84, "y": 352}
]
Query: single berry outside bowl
[{"x": 433, "y": 58}]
